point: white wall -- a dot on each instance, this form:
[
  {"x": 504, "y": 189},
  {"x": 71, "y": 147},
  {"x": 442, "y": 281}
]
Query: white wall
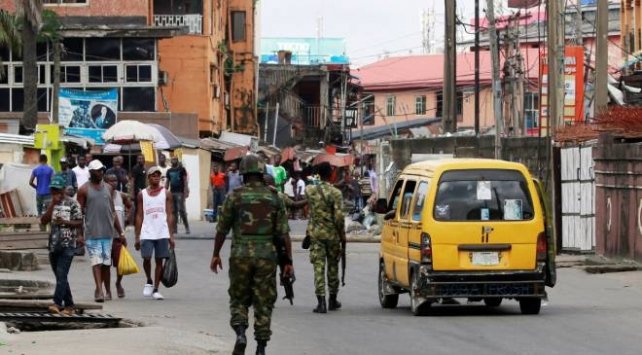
[{"x": 193, "y": 203}]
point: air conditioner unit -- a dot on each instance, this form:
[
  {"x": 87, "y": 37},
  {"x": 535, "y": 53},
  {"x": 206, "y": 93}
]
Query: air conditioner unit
[
  {"x": 227, "y": 99},
  {"x": 163, "y": 78}
]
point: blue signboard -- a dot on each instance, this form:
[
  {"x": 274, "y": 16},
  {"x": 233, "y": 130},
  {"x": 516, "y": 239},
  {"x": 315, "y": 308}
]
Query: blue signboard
[
  {"x": 88, "y": 113},
  {"x": 305, "y": 51}
]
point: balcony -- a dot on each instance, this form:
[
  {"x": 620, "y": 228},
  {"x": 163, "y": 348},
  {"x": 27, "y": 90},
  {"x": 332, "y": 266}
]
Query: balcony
[{"x": 192, "y": 21}]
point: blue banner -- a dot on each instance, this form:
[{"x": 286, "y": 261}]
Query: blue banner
[{"x": 88, "y": 113}]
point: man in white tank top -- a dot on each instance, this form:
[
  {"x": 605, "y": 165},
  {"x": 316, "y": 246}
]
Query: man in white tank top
[{"x": 153, "y": 235}]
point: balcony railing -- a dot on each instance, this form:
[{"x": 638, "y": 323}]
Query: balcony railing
[{"x": 194, "y": 22}]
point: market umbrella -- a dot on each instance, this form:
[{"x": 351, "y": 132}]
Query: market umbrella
[
  {"x": 235, "y": 153},
  {"x": 167, "y": 139},
  {"x": 334, "y": 160},
  {"x": 128, "y": 131}
]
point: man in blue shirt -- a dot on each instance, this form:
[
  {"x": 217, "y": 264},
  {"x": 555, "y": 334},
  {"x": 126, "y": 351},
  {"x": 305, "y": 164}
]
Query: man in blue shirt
[
  {"x": 42, "y": 174},
  {"x": 68, "y": 174}
]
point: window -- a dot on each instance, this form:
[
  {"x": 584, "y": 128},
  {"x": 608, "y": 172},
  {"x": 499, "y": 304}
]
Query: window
[
  {"x": 17, "y": 74},
  {"x": 42, "y": 78},
  {"x": 73, "y": 50},
  {"x": 17, "y": 99},
  {"x": 43, "y": 98},
  {"x": 459, "y": 105},
  {"x": 238, "y": 26},
  {"x": 420, "y": 105},
  {"x": 531, "y": 110},
  {"x": 439, "y": 112},
  {"x": 408, "y": 192},
  {"x": 139, "y": 73},
  {"x": 420, "y": 200},
  {"x": 395, "y": 196},
  {"x": 65, "y": 2},
  {"x": 4, "y": 100},
  {"x": 481, "y": 195},
  {"x": 390, "y": 105},
  {"x": 103, "y": 73},
  {"x": 4, "y": 74},
  {"x": 98, "y": 49},
  {"x": 139, "y": 99},
  {"x": 138, "y": 49}
]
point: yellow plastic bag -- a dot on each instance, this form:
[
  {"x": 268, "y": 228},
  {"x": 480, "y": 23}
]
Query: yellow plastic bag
[{"x": 126, "y": 264}]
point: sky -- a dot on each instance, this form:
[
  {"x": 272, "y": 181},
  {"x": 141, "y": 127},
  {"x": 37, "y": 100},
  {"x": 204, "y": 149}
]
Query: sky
[{"x": 370, "y": 27}]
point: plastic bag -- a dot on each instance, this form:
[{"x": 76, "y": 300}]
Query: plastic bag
[
  {"x": 126, "y": 264},
  {"x": 170, "y": 271}
]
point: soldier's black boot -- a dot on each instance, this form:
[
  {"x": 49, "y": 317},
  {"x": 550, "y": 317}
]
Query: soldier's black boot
[
  {"x": 260, "y": 347},
  {"x": 333, "y": 304},
  {"x": 321, "y": 307},
  {"x": 241, "y": 340}
]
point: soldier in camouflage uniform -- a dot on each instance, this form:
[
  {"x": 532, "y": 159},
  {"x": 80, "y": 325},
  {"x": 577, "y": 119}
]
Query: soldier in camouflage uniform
[
  {"x": 256, "y": 216},
  {"x": 326, "y": 231}
]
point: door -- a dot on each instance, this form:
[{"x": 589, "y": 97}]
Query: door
[
  {"x": 389, "y": 231},
  {"x": 485, "y": 219},
  {"x": 578, "y": 198},
  {"x": 416, "y": 225},
  {"x": 405, "y": 225}
]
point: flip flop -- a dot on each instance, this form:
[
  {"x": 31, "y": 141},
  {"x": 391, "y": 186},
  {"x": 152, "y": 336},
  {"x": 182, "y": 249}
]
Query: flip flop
[
  {"x": 121, "y": 292},
  {"x": 99, "y": 297}
]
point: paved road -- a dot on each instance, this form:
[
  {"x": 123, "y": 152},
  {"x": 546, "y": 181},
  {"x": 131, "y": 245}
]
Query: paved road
[{"x": 587, "y": 314}]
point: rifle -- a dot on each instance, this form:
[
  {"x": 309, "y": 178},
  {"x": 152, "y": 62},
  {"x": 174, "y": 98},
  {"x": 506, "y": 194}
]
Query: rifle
[
  {"x": 283, "y": 260},
  {"x": 343, "y": 262}
]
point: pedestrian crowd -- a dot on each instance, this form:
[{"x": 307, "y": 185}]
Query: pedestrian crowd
[{"x": 89, "y": 205}]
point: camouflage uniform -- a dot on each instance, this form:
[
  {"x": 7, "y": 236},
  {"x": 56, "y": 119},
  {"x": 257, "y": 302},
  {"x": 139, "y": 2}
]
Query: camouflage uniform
[
  {"x": 325, "y": 243},
  {"x": 253, "y": 212}
]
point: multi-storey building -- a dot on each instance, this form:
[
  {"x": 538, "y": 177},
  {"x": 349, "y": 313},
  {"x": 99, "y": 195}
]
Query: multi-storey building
[{"x": 166, "y": 59}]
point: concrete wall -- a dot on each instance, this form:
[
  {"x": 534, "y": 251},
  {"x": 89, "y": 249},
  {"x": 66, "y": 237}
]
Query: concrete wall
[
  {"x": 523, "y": 150},
  {"x": 618, "y": 199}
]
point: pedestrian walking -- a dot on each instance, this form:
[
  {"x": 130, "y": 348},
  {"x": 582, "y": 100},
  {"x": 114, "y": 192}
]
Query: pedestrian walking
[
  {"x": 69, "y": 175},
  {"x": 218, "y": 187},
  {"x": 81, "y": 171},
  {"x": 257, "y": 216},
  {"x": 65, "y": 218},
  {"x": 280, "y": 175},
  {"x": 40, "y": 180},
  {"x": 137, "y": 182},
  {"x": 162, "y": 165},
  {"x": 154, "y": 237},
  {"x": 233, "y": 178},
  {"x": 119, "y": 172},
  {"x": 122, "y": 203},
  {"x": 101, "y": 224},
  {"x": 177, "y": 185},
  {"x": 326, "y": 231}
]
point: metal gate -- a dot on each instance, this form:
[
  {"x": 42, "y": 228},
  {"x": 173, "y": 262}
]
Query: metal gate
[{"x": 578, "y": 198}]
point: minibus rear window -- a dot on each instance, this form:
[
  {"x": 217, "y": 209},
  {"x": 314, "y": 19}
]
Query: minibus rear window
[{"x": 483, "y": 195}]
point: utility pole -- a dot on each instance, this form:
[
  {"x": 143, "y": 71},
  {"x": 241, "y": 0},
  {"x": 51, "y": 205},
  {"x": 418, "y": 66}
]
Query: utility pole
[
  {"x": 602, "y": 57},
  {"x": 497, "y": 90},
  {"x": 555, "y": 60},
  {"x": 449, "y": 115},
  {"x": 477, "y": 87}
]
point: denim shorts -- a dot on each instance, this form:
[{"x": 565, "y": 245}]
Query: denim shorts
[
  {"x": 99, "y": 251},
  {"x": 159, "y": 248}
]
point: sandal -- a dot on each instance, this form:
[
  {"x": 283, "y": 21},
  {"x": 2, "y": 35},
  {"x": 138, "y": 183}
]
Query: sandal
[
  {"x": 99, "y": 297},
  {"x": 120, "y": 291},
  {"x": 108, "y": 296}
]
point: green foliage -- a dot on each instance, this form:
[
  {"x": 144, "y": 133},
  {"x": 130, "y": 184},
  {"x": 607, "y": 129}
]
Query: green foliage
[
  {"x": 51, "y": 25},
  {"x": 9, "y": 35}
]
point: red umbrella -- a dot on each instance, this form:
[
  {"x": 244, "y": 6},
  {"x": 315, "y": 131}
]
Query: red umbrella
[
  {"x": 235, "y": 153},
  {"x": 288, "y": 154},
  {"x": 334, "y": 160}
]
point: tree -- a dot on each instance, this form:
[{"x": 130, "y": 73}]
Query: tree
[
  {"x": 30, "y": 12},
  {"x": 50, "y": 33},
  {"x": 9, "y": 35}
]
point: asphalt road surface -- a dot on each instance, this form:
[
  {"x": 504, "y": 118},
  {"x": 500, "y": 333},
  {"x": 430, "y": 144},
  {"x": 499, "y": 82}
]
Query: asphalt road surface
[{"x": 586, "y": 314}]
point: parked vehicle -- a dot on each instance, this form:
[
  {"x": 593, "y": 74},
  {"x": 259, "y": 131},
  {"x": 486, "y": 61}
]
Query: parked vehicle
[{"x": 473, "y": 228}]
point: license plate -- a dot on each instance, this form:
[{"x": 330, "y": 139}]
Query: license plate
[{"x": 485, "y": 258}]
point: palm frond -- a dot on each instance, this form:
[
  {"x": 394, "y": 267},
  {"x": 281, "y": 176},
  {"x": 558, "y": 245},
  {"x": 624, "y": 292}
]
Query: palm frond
[{"x": 9, "y": 35}]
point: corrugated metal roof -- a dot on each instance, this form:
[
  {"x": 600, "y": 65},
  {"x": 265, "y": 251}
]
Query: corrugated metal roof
[{"x": 7, "y": 138}]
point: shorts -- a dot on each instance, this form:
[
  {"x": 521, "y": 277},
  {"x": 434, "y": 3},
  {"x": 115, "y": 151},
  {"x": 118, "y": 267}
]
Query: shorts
[
  {"x": 116, "y": 246},
  {"x": 159, "y": 248},
  {"x": 99, "y": 251}
]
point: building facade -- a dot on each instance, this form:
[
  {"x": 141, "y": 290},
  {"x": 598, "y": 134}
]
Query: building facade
[{"x": 176, "y": 58}]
